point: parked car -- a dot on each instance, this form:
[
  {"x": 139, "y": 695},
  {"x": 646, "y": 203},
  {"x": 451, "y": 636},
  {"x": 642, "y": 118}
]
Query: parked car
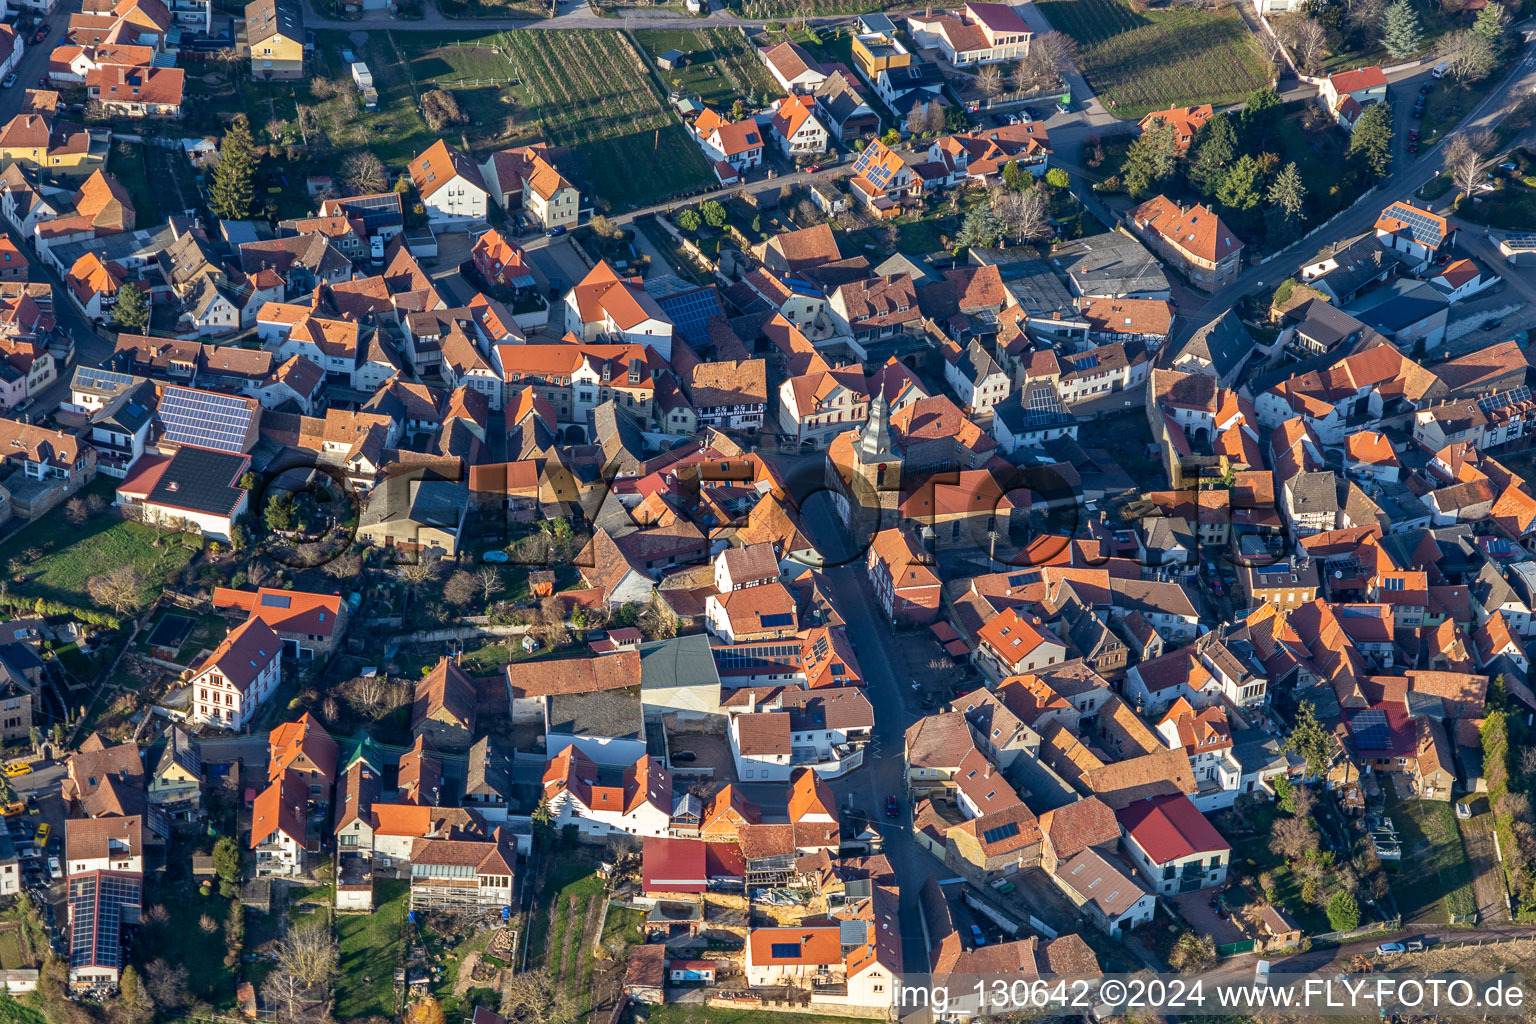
[
  {"x": 55, "y": 869},
  {"x": 9, "y": 81},
  {"x": 1413, "y": 145},
  {"x": 977, "y": 938},
  {"x": 892, "y": 809},
  {"x": 1424, "y": 89},
  {"x": 555, "y": 232},
  {"x": 1415, "y": 945},
  {"x": 1492, "y": 323},
  {"x": 1390, "y": 949},
  {"x": 42, "y": 834},
  {"x": 1440, "y": 69},
  {"x": 18, "y": 768},
  {"x": 1418, "y": 111},
  {"x": 684, "y": 756},
  {"x": 813, "y": 168}
]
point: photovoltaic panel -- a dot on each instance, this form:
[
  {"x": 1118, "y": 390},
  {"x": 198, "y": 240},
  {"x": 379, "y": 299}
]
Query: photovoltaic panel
[
  {"x": 1005, "y": 831},
  {"x": 777, "y": 619},
  {"x": 204, "y": 419},
  {"x": 104, "y": 380},
  {"x": 1426, "y": 229},
  {"x": 1369, "y": 729},
  {"x": 1514, "y": 396},
  {"x": 690, "y": 313}
]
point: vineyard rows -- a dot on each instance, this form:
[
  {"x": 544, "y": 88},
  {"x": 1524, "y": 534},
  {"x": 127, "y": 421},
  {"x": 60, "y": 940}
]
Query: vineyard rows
[
  {"x": 593, "y": 93},
  {"x": 1139, "y": 63},
  {"x": 736, "y": 60}
]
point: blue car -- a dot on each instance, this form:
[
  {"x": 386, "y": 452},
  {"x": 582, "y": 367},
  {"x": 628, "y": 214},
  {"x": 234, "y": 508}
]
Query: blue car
[{"x": 555, "y": 232}]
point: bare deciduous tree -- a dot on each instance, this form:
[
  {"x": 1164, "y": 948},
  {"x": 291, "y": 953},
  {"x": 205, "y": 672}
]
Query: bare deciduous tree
[
  {"x": 74, "y": 510},
  {"x": 1463, "y": 162},
  {"x": 1025, "y": 213},
  {"x": 364, "y": 172},
  {"x": 1310, "y": 44},
  {"x": 460, "y": 589},
  {"x": 345, "y": 565},
  {"x": 309, "y": 953},
  {"x": 1293, "y": 838},
  {"x": 416, "y": 572},
  {"x": 489, "y": 579},
  {"x": 120, "y": 589},
  {"x": 990, "y": 80},
  {"x": 285, "y": 992}
]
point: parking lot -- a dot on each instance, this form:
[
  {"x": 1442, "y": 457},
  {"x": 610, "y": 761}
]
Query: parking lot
[{"x": 41, "y": 855}]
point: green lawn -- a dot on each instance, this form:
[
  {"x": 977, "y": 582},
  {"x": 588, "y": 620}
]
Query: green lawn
[
  {"x": 1433, "y": 880},
  {"x": 126, "y": 164},
  {"x": 722, "y": 66},
  {"x": 11, "y": 955},
  {"x": 184, "y": 941},
  {"x": 1139, "y": 63},
  {"x": 372, "y": 946},
  {"x": 67, "y": 556}
]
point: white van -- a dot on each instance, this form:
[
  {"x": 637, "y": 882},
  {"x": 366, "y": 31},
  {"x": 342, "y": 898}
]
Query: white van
[{"x": 1440, "y": 69}]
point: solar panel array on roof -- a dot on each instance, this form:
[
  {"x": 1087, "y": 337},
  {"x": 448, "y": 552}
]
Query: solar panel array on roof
[
  {"x": 784, "y": 950},
  {"x": 690, "y": 313},
  {"x": 1043, "y": 407},
  {"x": 1425, "y": 227},
  {"x": 1023, "y": 579},
  {"x": 1514, "y": 396},
  {"x": 1522, "y": 241},
  {"x": 778, "y": 619},
  {"x": 820, "y": 648},
  {"x": 1005, "y": 831},
  {"x": 1369, "y": 728},
  {"x": 203, "y": 419},
  {"x": 96, "y": 904},
  {"x": 376, "y": 211},
  {"x": 104, "y": 380},
  {"x": 276, "y": 601}
]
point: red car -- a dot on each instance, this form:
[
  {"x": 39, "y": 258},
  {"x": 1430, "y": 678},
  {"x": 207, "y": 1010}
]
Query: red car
[
  {"x": 1413, "y": 145},
  {"x": 892, "y": 809},
  {"x": 813, "y": 168}
]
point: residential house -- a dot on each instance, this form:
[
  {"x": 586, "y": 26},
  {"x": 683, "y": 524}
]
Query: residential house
[
  {"x": 1420, "y": 235},
  {"x": 449, "y": 184},
  {"x": 463, "y": 874},
  {"x": 796, "y": 126},
  {"x": 604, "y": 799},
  {"x": 1173, "y": 845},
  {"x": 1194, "y": 240},
  {"x": 979, "y": 33},
  {"x": 230, "y": 685},
  {"x": 1185, "y": 121},
  {"x": 274, "y": 32},
  {"x": 1347, "y": 94},
  {"x": 309, "y": 625},
  {"x": 443, "y": 710}
]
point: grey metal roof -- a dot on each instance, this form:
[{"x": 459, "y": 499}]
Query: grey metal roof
[
  {"x": 1112, "y": 264},
  {"x": 681, "y": 661},
  {"x": 1223, "y": 343}
]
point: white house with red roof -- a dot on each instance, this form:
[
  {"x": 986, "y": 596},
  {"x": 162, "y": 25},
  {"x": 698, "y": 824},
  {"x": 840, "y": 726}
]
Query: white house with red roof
[
  {"x": 602, "y": 800},
  {"x": 617, "y": 310},
  {"x": 796, "y": 128},
  {"x": 1173, "y": 844},
  {"x": 279, "y": 830},
  {"x": 1348, "y": 93},
  {"x": 1205, "y": 736},
  {"x": 978, "y": 33},
  {"x": 230, "y": 686},
  {"x": 450, "y": 185},
  {"x": 1011, "y": 645},
  {"x": 733, "y": 147},
  {"x": 308, "y": 624},
  {"x": 1463, "y": 279}
]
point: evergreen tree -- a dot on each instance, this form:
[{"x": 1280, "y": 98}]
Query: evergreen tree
[
  {"x": 1261, "y": 113},
  {"x": 232, "y": 190},
  {"x": 1491, "y": 23},
  {"x": 714, "y": 214},
  {"x": 1401, "y": 33},
  {"x": 1370, "y": 144},
  {"x": 1014, "y": 176},
  {"x": 1343, "y": 911},
  {"x": 132, "y": 309},
  {"x": 980, "y": 229},
  {"x": 1239, "y": 187},
  {"x": 1214, "y": 147},
  {"x": 1151, "y": 159},
  {"x": 1287, "y": 196},
  {"x": 1310, "y": 741}
]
